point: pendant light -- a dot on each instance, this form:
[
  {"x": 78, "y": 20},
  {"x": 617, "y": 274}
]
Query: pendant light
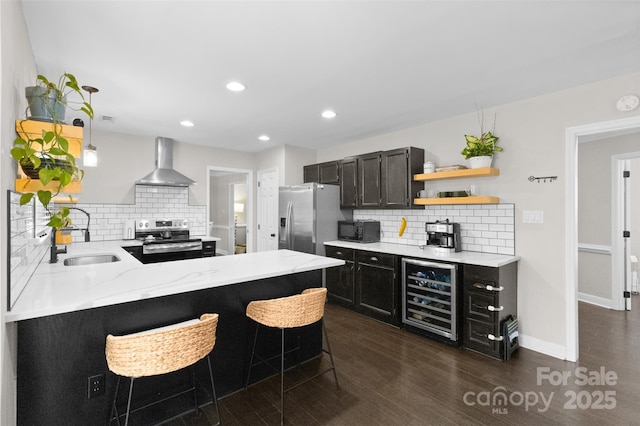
[{"x": 90, "y": 154}]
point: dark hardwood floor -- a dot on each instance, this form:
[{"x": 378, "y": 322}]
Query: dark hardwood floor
[{"x": 389, "y": 376}]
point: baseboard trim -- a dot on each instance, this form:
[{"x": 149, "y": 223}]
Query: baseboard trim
[
  {"x": 544, "y": 347},
  {"x": 595, "y": 300}
]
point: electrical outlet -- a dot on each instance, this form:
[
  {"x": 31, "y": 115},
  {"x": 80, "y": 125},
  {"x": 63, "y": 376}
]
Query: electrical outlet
[{"x": 95, "y": 385}]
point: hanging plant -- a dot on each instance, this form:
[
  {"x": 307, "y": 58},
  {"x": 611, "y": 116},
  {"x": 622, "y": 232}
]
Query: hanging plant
[{"x": 47, "y": 156}]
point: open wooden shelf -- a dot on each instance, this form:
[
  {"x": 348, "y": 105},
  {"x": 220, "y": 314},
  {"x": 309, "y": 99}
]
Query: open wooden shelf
[
  {"x": 34, "y": 128},
  {"x": 455, "y": 174},
  {"x": 33, "y": 185},
  {"x": 456, "y": 200}
]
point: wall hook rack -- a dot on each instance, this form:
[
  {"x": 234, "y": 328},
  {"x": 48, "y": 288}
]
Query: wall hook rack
[{"x": 542, "y": 178}]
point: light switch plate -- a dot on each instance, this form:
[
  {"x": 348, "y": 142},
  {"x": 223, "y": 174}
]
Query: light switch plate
[{"x": 532, "y": 216}]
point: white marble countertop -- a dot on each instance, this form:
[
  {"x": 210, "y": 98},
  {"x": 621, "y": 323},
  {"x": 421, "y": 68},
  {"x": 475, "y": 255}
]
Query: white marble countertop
[
  {"x": 56, "y": 288},
  {"x": 465, "y": 257}
]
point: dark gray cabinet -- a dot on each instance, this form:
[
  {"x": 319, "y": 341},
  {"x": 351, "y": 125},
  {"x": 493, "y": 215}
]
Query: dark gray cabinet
[
  {"x": 349, "y": 183},
  {"x": 327, "y": 172},
  {"x": 490, "y": 295},
  {"x": 369, "y": 180},
  {"x": 377, "y": 286},
  {"x": 397, "y": 169},
  {"x": 367, "y": 283},
  {"x": 381, "y": 179},
  {"x": 339, "y": 279}
]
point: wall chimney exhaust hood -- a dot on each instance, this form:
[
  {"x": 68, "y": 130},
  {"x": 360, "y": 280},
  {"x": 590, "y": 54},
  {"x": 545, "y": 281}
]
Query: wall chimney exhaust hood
[{"x": 164, "y": 174}]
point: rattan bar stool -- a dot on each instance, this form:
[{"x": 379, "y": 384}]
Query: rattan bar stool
[
  {"x": 160, "y": 351},
  {"x": 289, "y": 312}
]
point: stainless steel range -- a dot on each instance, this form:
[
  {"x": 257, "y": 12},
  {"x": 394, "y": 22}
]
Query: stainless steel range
[{"x": 166, "y": 240}]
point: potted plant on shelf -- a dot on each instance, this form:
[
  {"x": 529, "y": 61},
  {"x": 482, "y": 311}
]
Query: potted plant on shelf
[
  {"x": 479, "y": 150},
  {"x": 46, "y": 156}
]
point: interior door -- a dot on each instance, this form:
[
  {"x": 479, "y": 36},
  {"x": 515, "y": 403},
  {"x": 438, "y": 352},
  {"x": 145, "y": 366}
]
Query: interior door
[{"x": 267, "y": 210}]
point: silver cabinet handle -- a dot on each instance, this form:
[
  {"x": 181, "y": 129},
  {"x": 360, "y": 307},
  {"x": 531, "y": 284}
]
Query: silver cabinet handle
[
  {"x": 492, "y": 288},
  {"x": 340, "y": 253},
  {"x": 488, "y": 287},
  {"x": 373, "y": 258},
  {"x": 494, "y": 309},
  {"x": 492, "y": 337}
]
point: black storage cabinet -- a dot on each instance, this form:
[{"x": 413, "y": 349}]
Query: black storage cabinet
[{"x": 490, "y": 295}]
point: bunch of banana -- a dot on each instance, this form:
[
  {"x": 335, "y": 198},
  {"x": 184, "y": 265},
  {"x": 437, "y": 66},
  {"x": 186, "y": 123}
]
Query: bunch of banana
[{"x": 403, "y": 226}]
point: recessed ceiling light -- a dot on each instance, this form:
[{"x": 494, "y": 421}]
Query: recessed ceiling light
[
  {"x": 236, "y": 86},
  {"x": 328, "y": 114},
  {"x": 187, "y": 123},
  {"x": 264, "y": 138}
]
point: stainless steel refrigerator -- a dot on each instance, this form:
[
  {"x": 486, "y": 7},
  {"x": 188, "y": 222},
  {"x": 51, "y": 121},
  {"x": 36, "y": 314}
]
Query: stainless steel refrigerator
[{"x": 309, "y": 215}]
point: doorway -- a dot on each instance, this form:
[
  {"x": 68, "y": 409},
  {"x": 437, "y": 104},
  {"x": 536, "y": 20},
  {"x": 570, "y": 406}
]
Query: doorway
[
  {"x": 574, "y": 136},
  {"x": 268, "y": 210},
  {"x": 230, "y": 209},
  {"x": 604, "y": 206}
]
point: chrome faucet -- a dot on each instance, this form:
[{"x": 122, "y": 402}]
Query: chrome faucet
[
  {"x": 55, "y": 251},
  {"x": 87, "y": 236}
]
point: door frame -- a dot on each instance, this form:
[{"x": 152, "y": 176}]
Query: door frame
[
  {"x": 573, "y": 136},
  {"x": 249, "y": 207},
  {"x": 619, "y": 163}
]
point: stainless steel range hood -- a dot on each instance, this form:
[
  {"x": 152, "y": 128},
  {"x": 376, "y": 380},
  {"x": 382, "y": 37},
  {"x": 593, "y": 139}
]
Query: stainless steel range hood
[{"x": 164, "y": 174}]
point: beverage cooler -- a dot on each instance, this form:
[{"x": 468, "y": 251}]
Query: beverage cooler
[{"x": 430, "y": 298}]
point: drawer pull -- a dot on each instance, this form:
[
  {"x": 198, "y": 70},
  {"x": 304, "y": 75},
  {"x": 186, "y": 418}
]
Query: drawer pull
[
  {"x": 339, "y": 253},
  {"x": 498, "y": 339},
  {"x": 487, "y": 287},
  {"x": 494, "y": 309},
  {"x": 373, "y": 258}
]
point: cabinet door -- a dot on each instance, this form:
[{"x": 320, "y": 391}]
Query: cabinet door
[
  {"x": 348, "y": 183},
  {"x": 339, "y": 282},
  {"x": 398, "y": 167},
  {"x": 376, "y": 289},
  {"x": 369, "y": 180},
  {"x": 395, "y": 178},
  {"x": 329, "y": 172},
  {"x": 339, "y": 279},
  {"x": 311, "y": 173}
]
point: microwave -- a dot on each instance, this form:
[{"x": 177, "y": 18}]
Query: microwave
[{"x": 359, "y": 231}]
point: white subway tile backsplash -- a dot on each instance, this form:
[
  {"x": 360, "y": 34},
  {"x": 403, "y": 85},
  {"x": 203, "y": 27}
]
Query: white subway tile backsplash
[
  {"x": 151, "y": 203},
  {"x": 485, "y": 228}
]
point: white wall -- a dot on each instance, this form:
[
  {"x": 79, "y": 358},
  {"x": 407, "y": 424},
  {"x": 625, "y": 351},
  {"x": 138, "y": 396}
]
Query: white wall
[
  {"x": 532, "y": 133},
  {"x": 294, "y": 157},
  {"x": 18, "y": 70},
  {"x": 123, "y": 159}
]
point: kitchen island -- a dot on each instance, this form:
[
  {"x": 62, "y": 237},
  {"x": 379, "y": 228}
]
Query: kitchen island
[{"x": 65, "y": 313}]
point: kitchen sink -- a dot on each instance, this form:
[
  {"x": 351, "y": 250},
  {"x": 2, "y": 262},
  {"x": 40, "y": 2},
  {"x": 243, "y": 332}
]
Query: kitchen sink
[{"x": 91, "y": 259}]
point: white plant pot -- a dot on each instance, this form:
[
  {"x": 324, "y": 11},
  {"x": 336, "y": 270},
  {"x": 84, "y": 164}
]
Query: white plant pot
[{"x": 480, "y": 161}]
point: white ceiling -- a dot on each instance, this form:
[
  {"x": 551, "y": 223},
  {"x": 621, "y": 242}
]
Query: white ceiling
[{"x": 381, "y": 65}]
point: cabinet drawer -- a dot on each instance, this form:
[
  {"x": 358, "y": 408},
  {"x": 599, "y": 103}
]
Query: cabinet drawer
[
  {"x": 340, "y": 253},
  {"x": 476, "y": 336},
  {"x": 487, "y": 273},
  {"x": 377, "y": 259},
  {"x": 480, "y": 306},
  {"x": 481, "y": 285}
]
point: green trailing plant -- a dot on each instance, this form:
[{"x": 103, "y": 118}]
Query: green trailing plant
[
  {"x": 485, "y": 144},
  {"x": 48, "y": 153}
]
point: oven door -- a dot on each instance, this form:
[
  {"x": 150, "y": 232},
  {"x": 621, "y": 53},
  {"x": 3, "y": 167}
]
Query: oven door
[{"x": 167, "y": 252}]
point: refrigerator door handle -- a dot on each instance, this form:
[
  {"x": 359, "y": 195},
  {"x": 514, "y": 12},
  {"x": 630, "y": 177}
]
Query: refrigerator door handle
[{"x": 288, "y": 230}]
